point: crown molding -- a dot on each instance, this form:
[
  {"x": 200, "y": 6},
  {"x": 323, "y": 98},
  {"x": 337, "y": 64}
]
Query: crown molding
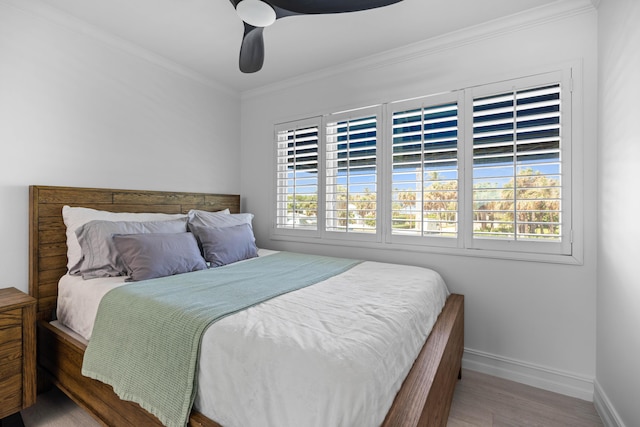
[
  {"x": 559, "y": 10},
  {"x": 58, "y": 17}
]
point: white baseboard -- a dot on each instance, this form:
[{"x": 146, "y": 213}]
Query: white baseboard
[
  {"x": 566, "y": 383},
  {"x": 607, "y": 412}
]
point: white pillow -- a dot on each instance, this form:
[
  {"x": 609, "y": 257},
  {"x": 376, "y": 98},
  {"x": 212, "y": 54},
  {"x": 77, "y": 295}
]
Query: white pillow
[{"x": 75, "y": 217}]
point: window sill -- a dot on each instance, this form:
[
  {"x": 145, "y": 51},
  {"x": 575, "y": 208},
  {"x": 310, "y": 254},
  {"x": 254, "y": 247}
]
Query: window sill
[{"x": 478, "y": 253}]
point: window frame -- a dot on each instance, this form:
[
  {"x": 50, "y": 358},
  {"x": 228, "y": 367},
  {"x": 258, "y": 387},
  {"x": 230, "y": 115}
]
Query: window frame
[{"x": 571, "y": 251}]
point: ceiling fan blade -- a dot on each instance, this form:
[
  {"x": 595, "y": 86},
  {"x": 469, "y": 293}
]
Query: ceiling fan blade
[
  {"x": 328, "y": 6},
  {"x": 283, "y": 13},
  {"x": 252, "y": 49}
]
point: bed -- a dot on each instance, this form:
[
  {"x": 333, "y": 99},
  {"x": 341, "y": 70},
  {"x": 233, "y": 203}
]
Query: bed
[{"x": 423, "y": 399}]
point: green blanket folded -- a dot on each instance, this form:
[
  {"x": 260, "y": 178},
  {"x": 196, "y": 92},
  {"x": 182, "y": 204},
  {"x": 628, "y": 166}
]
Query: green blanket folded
[{"x": 146, "y": 338}]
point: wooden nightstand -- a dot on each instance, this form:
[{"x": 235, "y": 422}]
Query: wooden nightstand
[{"x": 17, "y": 351}]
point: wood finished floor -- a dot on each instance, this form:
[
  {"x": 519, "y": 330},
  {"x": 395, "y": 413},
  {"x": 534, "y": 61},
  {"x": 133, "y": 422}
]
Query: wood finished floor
[
  {"x": 484, "y": 400},
  {"x": 480, "y": 400}
]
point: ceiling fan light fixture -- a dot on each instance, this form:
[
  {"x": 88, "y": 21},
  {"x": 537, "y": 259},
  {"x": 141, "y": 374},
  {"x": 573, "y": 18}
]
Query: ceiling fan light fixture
[{"x": 256, "y": 13}]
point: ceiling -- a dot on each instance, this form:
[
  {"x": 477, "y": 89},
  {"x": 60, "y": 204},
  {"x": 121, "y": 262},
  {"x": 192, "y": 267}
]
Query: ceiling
[{"x": 204, "y": 35}]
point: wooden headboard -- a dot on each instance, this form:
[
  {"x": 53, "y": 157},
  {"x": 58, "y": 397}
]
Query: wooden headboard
[{"x": 47, "y": 238}]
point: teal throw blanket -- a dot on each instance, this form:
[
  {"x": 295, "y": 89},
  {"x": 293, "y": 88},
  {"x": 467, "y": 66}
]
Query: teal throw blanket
[{"x": 146, "y": 338}]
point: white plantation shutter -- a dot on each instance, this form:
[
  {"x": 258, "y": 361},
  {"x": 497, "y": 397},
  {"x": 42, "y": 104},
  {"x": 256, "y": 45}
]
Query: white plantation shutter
[
  {"x": 424, "y": 176},
  {"x": 351, "y": 172},
  {"x": 297, "y": 176},
  {"x": 518, "y": 174},
  {"x": 484, "y": 168}
]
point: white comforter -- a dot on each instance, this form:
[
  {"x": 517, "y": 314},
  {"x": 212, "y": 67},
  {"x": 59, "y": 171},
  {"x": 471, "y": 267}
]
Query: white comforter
[{"x": 332, "y": 354}]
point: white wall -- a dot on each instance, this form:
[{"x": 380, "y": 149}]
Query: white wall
[
  {"x": 618, "y": 327},
  {"x": 533, "y": 322},
  {"x": 78, "y": 110}
]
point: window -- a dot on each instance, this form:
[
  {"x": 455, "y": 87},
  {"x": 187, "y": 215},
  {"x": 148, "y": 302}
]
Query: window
[
  {"x": 487, "y": 167},
  {"x": 297, "y": 171},
  {"x": 424, "y": 170},
  {"x": 351, "y": 172},
  {"x": 519, "y": 153}
]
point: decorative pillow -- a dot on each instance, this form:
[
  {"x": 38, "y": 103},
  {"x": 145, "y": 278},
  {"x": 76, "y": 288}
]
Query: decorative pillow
[
  {"x": 99, "y": 255},
  {"x": 217, "y": 219},
  {"x": 225, "y": 245},
  {"x": 147, "y": 256},
  {"x": 74, "y": 217}
]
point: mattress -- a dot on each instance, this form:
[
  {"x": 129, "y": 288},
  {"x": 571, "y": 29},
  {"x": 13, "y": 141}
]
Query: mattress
[{"x": 335, "y": 353}]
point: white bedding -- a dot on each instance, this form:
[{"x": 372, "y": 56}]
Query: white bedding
[{"x": 332, "y": 354}]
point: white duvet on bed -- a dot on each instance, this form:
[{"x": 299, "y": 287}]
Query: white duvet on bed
[{"x": 332, "y": 354}]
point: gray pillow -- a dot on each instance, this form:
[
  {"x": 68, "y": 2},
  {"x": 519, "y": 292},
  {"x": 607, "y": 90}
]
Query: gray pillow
[
  {"x": 99, "y": 256},
  {"x": 151, "y": 255},
  {"x": 225, "y": 245},
  {"x": 218, "y": 219}
]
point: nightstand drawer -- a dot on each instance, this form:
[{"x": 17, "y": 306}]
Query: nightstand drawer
[
  {"x": 11, "y": 386},
  {"x": 17, "y": 351},
  {"x": 10, "y": 350},
  {"x": 10, "y": 318}
]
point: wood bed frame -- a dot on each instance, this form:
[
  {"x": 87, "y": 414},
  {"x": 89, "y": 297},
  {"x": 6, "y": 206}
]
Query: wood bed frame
[{"x": 424, "y": 399}]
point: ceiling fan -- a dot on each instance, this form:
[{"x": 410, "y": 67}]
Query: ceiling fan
[{"x": 258, "y": 14}]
